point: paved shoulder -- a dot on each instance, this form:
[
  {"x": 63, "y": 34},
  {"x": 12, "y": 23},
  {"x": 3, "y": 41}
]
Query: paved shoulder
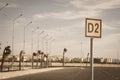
[{"x": 5, "y": 75}]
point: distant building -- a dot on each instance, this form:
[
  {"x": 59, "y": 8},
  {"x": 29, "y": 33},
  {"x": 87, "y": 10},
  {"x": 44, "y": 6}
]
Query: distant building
[
  {"x": 55, "y": 58},
  {"x": 26, "y": 57},
  {"x": 77, "y": 60},
  {"x": 116, "y": 61},
  {"x": 58, "y": 58},
  {"x": 98, "y": 60},
  {"x": 108, "y": 60},
  {"x": 86, "y": 60},
  {"x": 66, "y": 59}
]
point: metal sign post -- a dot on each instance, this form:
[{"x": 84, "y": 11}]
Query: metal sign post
[
  {"x": 93, "y": 29},
  {"x": 91, "y": 59}
]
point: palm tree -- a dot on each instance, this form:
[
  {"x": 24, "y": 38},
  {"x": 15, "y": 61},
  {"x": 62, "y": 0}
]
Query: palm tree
[{"x": 64, "y": 51}]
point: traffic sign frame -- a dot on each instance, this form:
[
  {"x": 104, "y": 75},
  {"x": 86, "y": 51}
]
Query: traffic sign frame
[
  {"x": 93, "y": 36},
  {"x": 93, "y": 29}
]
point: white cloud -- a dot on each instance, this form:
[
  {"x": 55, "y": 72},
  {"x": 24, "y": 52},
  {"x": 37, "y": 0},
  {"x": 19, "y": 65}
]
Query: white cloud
[
  {"x": 109, "y": 39},
  {"x": 95, "y": 4},
  {"x": 106, "y": 27},
  {"x": 110, "y": 4},
  {"x": 67, "y": 15},
  {"x": 69, "y": 35},
  {"x": 115, "y": 23},
  {"x": 107, "y": 45}
]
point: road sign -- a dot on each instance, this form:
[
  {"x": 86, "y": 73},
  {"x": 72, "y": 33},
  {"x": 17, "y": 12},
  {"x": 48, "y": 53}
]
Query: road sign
[{"x": 93, "y": 28}]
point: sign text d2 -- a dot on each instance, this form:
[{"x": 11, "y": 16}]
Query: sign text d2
[{"x": 93, "y": 28}]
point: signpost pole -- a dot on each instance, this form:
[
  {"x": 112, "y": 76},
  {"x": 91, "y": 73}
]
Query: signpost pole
[
  {"x": 91, "y": 59},
  {"x": 93, "y": 29},
  {"x": 63, "y": 58}
]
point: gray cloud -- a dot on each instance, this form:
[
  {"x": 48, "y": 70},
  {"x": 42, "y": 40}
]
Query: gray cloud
[{"x": 65, "y": 21}]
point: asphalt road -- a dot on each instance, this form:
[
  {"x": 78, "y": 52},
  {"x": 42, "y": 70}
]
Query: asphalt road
[{"x": 74, "y": 73}]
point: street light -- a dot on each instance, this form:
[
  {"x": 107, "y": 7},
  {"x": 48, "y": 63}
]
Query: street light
[
  {"x": 81, "y": 55},
  {"x": 13, "y": 36},
  {"x": 25, "y": 35},
  {"x": 50, "y": 46},
  {"x": 32, "y": 39},
  {"x": 43, "y": 41},
  {"x": 47, "y": 48},
  {"x": 4, "y": 6},
  {"x": 32, "y": 46},
  {"x": 14, "y": 32},
  {"x": 39, "y": 37}
]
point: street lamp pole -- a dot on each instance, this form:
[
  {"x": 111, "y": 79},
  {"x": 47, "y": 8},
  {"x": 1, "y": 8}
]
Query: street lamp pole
[
  {"x": 46, "y": 46},
  {"x": 32, "y": 40},
  {"x": 47, "y": 52},
  {"x": 43, "y": 41},
  {"x": 50, "y": 46},
  {"x": 81, "y": 55},
  {"x": 32, "y": 46},
  {"x": 25, "y": 35},
  {"x": 4, "y": 6},
  {"x": 39, "y": 38},
  {"x": 13, "y": 33}
]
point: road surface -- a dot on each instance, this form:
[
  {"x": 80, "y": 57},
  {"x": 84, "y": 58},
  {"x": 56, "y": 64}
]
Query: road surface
[{"x": 73, "y": 73}]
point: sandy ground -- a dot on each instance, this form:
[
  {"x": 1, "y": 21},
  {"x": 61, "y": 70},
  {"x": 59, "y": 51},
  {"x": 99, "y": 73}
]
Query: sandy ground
[{"x": 28, "y": 64}]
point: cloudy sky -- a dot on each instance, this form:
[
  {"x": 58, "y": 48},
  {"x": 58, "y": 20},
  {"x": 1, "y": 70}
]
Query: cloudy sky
[{"x": 64, "y": 21}]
